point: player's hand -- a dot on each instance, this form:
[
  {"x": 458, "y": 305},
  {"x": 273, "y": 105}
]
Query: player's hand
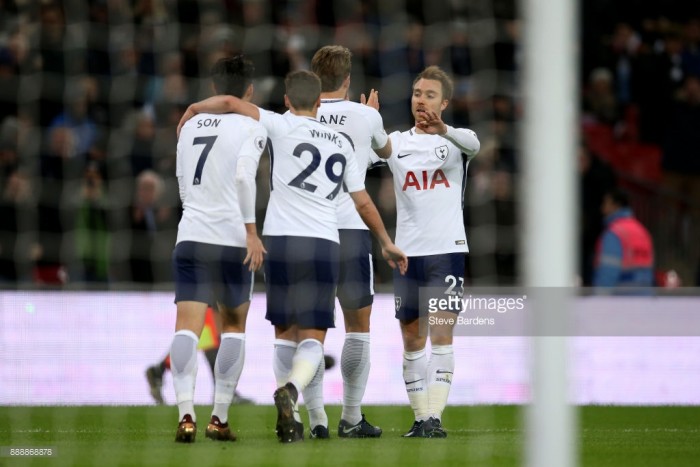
[
  {"x": 373, "y": 100},
  {"x": 430, "y": 122},
  {"x": 254, "y": 256},
  {"x": 189, "y": 113},
  {"x": 395, "y": 257}
]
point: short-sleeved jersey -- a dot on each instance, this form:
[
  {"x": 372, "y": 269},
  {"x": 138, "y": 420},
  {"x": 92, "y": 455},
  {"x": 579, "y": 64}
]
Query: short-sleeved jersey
[
  {"x": 429, "y": 174},
  {"x": 364, "y": 127},
  {"x": 208, "y": 152},
  {"x": 308, "y": 164}
]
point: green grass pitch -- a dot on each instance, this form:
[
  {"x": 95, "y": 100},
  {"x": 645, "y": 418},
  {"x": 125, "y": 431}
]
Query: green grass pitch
[{"x": 477, "y": 435}]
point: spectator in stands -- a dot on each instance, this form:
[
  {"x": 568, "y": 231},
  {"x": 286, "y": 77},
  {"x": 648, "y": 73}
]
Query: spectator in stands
[
  {"x": 596, "y": 178},
  {"x": 691, "y": 50},
  {"x": 625, "y": 46},
  {"x": 8, "y": 147},
  {"x": 681, "y": 161},
  {"x": 141, "y": 154},
  {"x": 169, "y": 85},
  {"x": 9, "y": 84},
  {"x": 76, "y": 117},
  {"x": 659, "y": 76},
  {"x": 599, "y": 100},
  {"x": 16, "y": 238},
  {"x": 55, "y": 54},
  {"x": 58, "y": 162},
  {"x": 504, "y": 131},
  {"x": 149, "y": 217},
  {"x": 92, "y": 233},
  {"x": 625, "y": 253},
  {"x": 491, "y": 220},
  {"x": 128, "y": 84},
  {"x": 460, "y": 61},
  {"x": 505, "y": 210}
]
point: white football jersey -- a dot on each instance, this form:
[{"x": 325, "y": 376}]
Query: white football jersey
[
  {"x": 208, "y": 151},
  {"x": 308, "y": 164},
  {"x": 429, "y": 175},
  {"x": 365, "y": 129}
]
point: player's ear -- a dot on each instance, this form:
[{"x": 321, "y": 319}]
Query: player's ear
[
  {"x": 286, "y": 102},
  {"x": 444, "y": 104}
]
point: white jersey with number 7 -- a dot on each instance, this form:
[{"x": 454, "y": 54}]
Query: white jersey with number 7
[{"x": 208, "y": 151}]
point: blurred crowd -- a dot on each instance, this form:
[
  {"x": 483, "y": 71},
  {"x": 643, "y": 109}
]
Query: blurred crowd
[
  {"x": 640, "y": 118},
  {"x": 91, "y": 92}
]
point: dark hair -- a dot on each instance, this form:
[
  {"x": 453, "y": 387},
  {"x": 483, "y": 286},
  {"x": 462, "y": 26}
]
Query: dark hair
[
  {"x": 303, "y": 89},
  {"x": 232, "y": 75},
  {"x": 619, "y": 197},
  {"x": 332, "y": 64}
]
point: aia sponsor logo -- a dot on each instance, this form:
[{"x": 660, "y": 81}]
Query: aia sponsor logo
[{"x": 425, "y": 180}]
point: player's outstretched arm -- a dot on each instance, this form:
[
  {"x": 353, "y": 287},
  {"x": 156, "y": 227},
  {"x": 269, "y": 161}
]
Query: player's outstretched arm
[
  {"x": 464, "y": 139},
  {"x": 370, "y": 216},
  {"x": 384, "y": 152},
  {"x": 373, "y": 101},
  {"x": 219, "y": 105}
]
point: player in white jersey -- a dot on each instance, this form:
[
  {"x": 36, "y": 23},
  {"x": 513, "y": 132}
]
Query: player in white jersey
[
  {"x": 310, "y": 164},
  {"x": 429, "y": 164},
  {"x": 363, "y": 126},
  {"x": 218, "y": 248}
]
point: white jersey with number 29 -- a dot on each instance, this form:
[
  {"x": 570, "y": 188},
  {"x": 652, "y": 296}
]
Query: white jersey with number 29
[
  {"x": 429, "y": 174},
  {"x": 208, "y": 151},
  {"x": 308, "y": 164}
]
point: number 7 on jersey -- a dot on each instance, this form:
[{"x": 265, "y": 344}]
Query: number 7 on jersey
[{"x": 208, "y": 142}]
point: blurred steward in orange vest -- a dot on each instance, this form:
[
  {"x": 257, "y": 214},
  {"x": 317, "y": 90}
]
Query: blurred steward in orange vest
[{"x": 624, "y": 254}]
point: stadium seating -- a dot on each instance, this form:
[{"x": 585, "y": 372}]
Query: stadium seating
[{"x": 638, "y": 160}]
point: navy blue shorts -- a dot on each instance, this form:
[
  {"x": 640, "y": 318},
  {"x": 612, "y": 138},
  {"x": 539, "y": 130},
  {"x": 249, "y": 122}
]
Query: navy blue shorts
[
  {"x": 356, "y": 282},
  {"x": 301, "y": 276},
  {"x": 434, "y": 271},
  {"x": 209, "y": 274}
]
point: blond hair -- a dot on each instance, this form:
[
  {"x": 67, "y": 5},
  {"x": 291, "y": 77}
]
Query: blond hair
[{"x": 332, "y": 64}]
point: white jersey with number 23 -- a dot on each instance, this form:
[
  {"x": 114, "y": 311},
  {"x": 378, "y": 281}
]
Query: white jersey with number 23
[{"x": 429, "y": 174}]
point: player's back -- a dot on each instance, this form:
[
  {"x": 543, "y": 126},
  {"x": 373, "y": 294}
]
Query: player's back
[
  {"x": 309, "y": 163},
  {"x": 208, "y": 151},
  {"x": 429, "y": 175},
  {"x": 363, "y": 126}
]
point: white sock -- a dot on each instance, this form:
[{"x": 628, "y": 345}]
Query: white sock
[
  {"x": 308, "y": 356},
  {"x": 313, "y": 398},
  {"x": 227, "y": 371},
  {"x": 183, "y": 364},
  {"x": 440, "y": 370},
  {"x": 282, "y": 366},
  {"x": 354, "y": 365},
  {"x": 415, "y": 369},
  {"x": 282, "y": 360}
]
